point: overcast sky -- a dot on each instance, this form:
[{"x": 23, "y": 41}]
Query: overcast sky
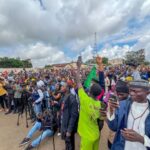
[{"x": 56, "y": 31}]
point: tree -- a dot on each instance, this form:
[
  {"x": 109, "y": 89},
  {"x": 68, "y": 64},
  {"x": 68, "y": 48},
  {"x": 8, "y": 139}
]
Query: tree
[
  {"x": 48, "y": 66},
  {"x": 146, "y": 63},
  {"x": 135, "y": 57},
  {"x": 27, "y": 63},
  {"x": 14, "y": 63},
  {"x": 105, "y": 60}
]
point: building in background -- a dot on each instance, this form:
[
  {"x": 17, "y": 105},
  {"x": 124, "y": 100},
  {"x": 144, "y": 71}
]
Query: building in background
[
  {"x": 65, "y": 66},
  {"x": 116, "y": 61}
]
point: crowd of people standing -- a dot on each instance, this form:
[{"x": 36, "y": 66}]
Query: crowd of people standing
[{"x": 58, "y": 102}]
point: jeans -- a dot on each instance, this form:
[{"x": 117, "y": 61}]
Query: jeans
[
  {"x": 10, "y": 99},
  {"x": 47, "y": 103},
  {"x": 36, "y": 127},
  {"x": 37, "y": 108}
]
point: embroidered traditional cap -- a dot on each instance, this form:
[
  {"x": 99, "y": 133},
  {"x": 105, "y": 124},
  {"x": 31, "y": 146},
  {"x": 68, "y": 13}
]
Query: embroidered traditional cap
[{"x": 140, "y": 84}]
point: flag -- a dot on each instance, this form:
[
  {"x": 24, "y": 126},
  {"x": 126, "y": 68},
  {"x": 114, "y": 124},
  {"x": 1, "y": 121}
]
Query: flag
[{"x": 91, "y": 75}]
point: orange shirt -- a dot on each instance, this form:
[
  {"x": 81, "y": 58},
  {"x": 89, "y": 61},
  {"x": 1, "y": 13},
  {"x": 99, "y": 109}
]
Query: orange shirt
[{"x": 2, "y": 90}]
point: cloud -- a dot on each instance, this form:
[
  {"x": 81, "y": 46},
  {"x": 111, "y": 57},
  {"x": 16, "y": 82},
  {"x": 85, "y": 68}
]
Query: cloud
[
  {"x": 87, "y": 53},
  {"x": 41, "y": 54},
  {"x": 120, "y": 51},
  {"x": 112, "y": 52},
  {"x": 64, "y": 20},
  {"x": 39, "y": 30},
  {"x": 145, "y": 9}
]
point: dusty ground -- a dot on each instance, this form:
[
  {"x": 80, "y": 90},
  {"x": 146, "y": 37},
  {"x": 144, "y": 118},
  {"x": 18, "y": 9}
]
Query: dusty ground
[{"x": 11, "y": 135}]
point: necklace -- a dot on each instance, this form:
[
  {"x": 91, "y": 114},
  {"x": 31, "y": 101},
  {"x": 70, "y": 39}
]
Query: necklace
[{"x": 139, "y": 117}]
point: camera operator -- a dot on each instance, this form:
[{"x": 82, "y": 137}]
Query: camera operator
[
  {"x": 10, "y": 96},
  {"x": 37, "y": 96},
  {"x": 46, "y": 100},
  {"x": 17, "y": 95},
  {"x": 24, "y": 97},
  {"x": 30, "y": 89},
  {"x": 57, "y": 96},
  {"x": 45, "y": 123}
]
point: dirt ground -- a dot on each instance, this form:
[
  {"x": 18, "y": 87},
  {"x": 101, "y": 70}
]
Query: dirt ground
[{"x": 11, "y": 135}]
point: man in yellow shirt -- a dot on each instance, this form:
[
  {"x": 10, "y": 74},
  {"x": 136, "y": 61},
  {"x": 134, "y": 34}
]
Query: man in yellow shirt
[
  {"x": 3, "y": 92},
  {"x": 89, "y": 114}
]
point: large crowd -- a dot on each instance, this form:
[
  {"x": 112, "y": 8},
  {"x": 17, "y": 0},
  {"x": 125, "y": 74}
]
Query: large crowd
[{"x": 59, "y": 102}]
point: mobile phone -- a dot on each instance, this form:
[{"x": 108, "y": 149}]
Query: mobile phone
[
  {"x": 113, "y": 98},
  {"x": 80, "y": 59},
  {"x": 103, "y": 106}
]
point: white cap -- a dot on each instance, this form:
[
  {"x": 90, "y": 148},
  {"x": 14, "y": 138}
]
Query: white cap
[{"x": 40, "y": 84}]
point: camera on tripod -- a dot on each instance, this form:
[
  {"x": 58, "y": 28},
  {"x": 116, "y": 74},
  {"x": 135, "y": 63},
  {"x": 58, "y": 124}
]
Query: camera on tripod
[{"x": 25, "y": 105}]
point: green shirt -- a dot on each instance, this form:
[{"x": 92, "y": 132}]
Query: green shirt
[{"x": 89, "y": 113}]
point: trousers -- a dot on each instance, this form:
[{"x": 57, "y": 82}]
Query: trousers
[
  {"x": 89, "y": 145},
  {"x": 70, "y": 142},
  {"x": 35, "y": 128}
]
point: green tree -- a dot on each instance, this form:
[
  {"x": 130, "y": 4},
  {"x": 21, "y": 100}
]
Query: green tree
[
  {"x": 105, "y": 60},
  {"x": 146, "y": 63},
  {"x": 14, "y": 63},
  {"x": 48, "y": 66},
  {"x": 135, "y": 57}
]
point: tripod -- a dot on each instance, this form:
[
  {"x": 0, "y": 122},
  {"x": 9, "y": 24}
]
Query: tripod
[{"x": 24, "y": 106}]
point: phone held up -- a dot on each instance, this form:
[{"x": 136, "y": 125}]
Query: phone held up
[
  {"x": 103, "y": 106},
  {"x": 113, "y": 98},
  {"x": 80, "y": 59}
]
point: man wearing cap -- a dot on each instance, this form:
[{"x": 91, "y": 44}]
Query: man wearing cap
[{"x": 131, "y": 119}]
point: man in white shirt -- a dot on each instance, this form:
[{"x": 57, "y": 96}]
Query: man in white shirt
[
  {"x": 38, "y": 95},
  {"x": 131, "y": 119}
]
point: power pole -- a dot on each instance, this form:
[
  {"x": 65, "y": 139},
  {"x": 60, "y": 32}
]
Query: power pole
[
  {"x": 41, "y": 3},
  {"x": 95, "y": 45}
]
